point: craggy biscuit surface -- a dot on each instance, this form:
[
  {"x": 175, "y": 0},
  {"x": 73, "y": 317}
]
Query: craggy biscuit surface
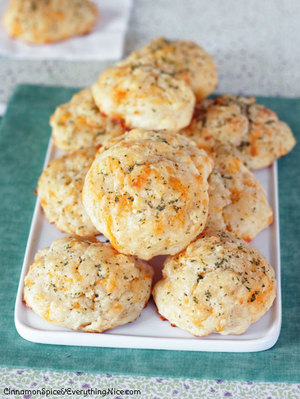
[
  {"x": 182, "y": 59},
  {"x": 40, "y": 21},
  {"x": 144, "y": 97},
  {"x": 237, "y": 201},
  {"x": 148, "y": 192},
  {"x": 246, "y": 129},
  {"x": 86, "y": 285},
  {"x": 218, "y": 284},
  {"x": 60, "y": 189},
  {"x": 80, "y": 124}
]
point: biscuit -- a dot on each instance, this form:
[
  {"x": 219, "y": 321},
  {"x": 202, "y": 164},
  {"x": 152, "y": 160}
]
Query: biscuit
[
  {"x": 184, "y": 60},
  {"x": 218, "y": 284},
  {"x": 60, "y": 189},
  {"x": 246, "y": 129},
  {"x": 40, "y": 22},
  {"x": 86, "y": 285},
  {"x": 144, "y": 97},
  {"x": 148, "y": 192},
  {"x": 80, "y": 124},
  {"x": 267, "y": 140},
  {"x": 237, "y": 201}
]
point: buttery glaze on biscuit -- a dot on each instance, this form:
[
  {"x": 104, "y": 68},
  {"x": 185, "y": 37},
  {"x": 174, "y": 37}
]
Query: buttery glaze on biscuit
[
  {"x": 243, "y": 128},
  {"x": 144, "y": 97},
  {"x": 237, "y": 201},
  {"x": 87, "y": 285},
  {"x": 80, "y": 124},
  {"x": 182, "y": 59},
  {"x": 148, "y": 192},
  {"x": 60, "y": 190},
  {"x": 41, "y": 22},
  {"x": 218, "y": 284}
]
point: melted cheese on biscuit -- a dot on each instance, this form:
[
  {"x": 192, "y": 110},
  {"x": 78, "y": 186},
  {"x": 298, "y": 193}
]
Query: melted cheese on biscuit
[
  {"x": 184, "y": 60},
  {"x": 144, "y": 97},
  {"x": 86, "y": 285},
  {"x": 148, "y": 192},
  {"x": 80, "y": 124},
  {"x": 60, "y": 189},
  {"x": 243, "y": 128},
  {"x": 237, "y": 201},
  {"x": 218, "y": 284}
]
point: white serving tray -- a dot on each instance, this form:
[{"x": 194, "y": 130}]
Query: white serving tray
[{"x": 149, "y": 331}]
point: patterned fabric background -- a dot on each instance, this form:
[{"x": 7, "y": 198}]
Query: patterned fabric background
[{"x": 146, "y": 388}]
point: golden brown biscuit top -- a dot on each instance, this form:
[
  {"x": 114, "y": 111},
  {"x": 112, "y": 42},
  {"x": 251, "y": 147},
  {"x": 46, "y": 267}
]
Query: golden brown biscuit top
[
  {"x": 60, "y": 188},
  {"x": 246, "y": 129},
  {"x": 150, "y": 182},
  {"x": 182, "y": 59},
  {"x": 218, "y": 284},
  {"x": 79, "y": 123},
  {"x": 144, "y": 97},
  {"x": 237, "y": 201},
  {"x": 87, "y": 285}
]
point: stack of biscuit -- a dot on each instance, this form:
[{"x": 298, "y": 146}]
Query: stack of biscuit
[{"x": 159, "y": 170}]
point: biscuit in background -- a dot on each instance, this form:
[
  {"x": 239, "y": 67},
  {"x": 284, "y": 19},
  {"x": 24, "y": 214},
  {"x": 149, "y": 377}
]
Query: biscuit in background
[
  {"x": 246, "y": 129},
  {"x": 80, "y": 124},
  {"x": 144, "y": 97},
  {"x": 41, "y": 22},
  {"x": 237, "y": 201},
  {"x": 218, "y": 284},
  {"x": 182, "y": 59},
  {"x": 60, "y": 190},
  {"x": 86, "y": 285},
  {"x": 148, "y": 192}
]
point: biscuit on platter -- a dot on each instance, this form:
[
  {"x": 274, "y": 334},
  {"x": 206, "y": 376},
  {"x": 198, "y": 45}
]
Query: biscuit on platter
[
  {"x": 268, "y": 138},
  {"x": 80, "y": 124},
  {"x": 218, "y": 284},
  {"x": 148, "y": 192},
  {"x": 182, "y": 59},
  {"x": 144, "y": 97},
  {"x": 40, "y": 22},
  {"x": 237, "y": 201},
  {"x": 60, "y": 189},
  {"x": 86, "y": 285},
  {"x": 246, "y": 129},
  {"x": 215, "y": 124}
]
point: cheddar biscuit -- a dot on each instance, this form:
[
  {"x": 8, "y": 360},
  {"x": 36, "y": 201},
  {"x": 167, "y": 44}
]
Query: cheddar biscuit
[
  {"x": 268, "y": 138},
  {"x": 80, "y": 124},
  {"x": 218, "y": 284},
  {"x": 148, "y": 192},
  {"x": 237, "y": 201},
  {"x": 40, "y": 22},
  {"x": 246, "y": 129},
  {"x": 184, "y": 60},
  {"x": 60, "y": 189},
  {"x": 144, "y": 97},
  {"x": 86, "y": 285}
]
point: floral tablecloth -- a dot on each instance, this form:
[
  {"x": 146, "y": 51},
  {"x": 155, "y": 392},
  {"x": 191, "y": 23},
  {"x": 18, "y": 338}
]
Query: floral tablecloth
[{"x": 77, "y": 385}]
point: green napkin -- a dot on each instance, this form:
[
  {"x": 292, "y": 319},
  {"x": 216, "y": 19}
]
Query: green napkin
[{"x": 24, "y": 135}]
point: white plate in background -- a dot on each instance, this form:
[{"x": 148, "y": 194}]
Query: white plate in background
[{"x": 149, "y": 331}]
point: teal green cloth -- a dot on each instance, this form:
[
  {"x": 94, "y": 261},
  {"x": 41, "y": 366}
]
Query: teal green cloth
[{"x": 24, "y": 135}]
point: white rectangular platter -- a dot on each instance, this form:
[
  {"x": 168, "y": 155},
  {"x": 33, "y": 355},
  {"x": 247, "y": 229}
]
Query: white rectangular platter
[{"x": 149, "y": 331}]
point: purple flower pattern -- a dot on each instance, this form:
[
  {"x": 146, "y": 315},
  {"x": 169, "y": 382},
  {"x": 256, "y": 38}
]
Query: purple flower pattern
[{"x": 150, "y": 387}]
